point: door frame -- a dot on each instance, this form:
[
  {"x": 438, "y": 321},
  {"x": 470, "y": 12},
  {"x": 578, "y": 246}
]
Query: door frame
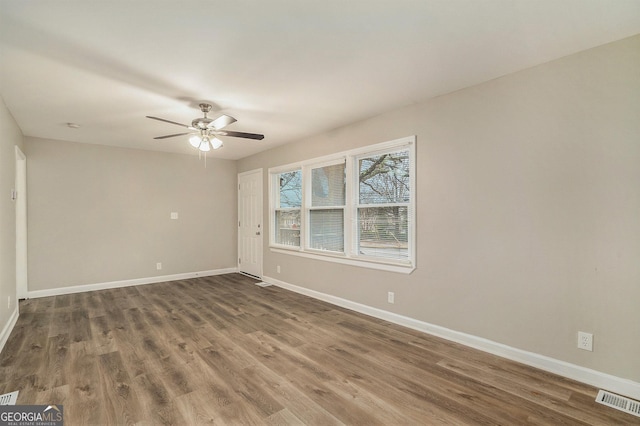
[
  {"x": 22, "y": 291},
  {"x": 259, "y": 173}
]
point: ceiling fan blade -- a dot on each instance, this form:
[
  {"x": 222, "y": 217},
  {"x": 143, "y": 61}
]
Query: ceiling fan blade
[
  {"x": 168, "y": 121},
  {"x": 241, "y": 135},
  {"x": 172, "y": 136},
  {"x": 222, "y": 121}
]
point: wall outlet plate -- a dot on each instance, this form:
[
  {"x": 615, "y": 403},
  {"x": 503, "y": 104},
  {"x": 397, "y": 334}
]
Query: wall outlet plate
[
  {"x": 585, "y": 341},
  {"x": 391, "y": 297}
]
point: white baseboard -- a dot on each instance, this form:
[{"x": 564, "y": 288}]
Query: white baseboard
[
  {"x": 8, "y": 328},
  {"x": 127, "y": 283},
  {"x": 575, "y": 372}
]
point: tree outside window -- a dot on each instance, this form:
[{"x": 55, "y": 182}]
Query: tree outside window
[
  {"x": 383, "y": 205},
  {"x": 289, "y": 202}
]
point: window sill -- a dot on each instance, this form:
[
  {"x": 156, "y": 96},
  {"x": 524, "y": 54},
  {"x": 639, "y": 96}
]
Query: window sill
[{"x": 382, "y": 265}]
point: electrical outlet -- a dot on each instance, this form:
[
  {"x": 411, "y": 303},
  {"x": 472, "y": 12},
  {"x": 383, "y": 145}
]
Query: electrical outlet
[
  {"x": 585, "y": 341},
  {"x": 278, "y": 268},
  {"x": 391, "y": 297},
  {"x": 174, "y": 215},
  {"x": 158, "y": 266}
]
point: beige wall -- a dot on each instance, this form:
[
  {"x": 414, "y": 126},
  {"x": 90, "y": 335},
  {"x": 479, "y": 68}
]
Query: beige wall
[
  {"x": 100, "y": 214},
  {"x": 528, "y": 205},
  {"x": 10, "y": 136}
]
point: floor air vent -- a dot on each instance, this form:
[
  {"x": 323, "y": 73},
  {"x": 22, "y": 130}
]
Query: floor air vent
[
  {"x": 619, "y": 402},
  {"x": 9, "y": 398}
]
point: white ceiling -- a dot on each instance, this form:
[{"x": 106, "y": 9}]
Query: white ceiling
[{"x": 285, "y": 68}]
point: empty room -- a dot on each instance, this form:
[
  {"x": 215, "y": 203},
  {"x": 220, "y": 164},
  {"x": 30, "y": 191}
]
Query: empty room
[{"x": 310, "y": 213}]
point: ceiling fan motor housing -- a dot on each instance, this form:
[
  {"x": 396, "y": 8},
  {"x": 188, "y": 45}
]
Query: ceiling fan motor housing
[{"x": 201, "y": 123}]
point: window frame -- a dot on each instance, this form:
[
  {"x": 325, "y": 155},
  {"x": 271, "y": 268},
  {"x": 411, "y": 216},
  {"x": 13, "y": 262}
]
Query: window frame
[
  {"x": 357, "y": 205},
  {"x": 350, "y": 255},
  {"x": 275, "y": 195},
  {"x": 308, "y": 207}
]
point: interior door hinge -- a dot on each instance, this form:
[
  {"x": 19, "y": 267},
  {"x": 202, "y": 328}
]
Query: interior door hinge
[{"x": 239, "y": 260}]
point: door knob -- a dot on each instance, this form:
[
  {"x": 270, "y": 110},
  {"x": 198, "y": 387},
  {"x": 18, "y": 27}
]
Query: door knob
[{"x": 258, "y": 233}]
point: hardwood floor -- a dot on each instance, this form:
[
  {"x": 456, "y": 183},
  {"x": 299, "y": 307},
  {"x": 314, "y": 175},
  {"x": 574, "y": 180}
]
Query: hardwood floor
[{"x": 221, "y": 350}]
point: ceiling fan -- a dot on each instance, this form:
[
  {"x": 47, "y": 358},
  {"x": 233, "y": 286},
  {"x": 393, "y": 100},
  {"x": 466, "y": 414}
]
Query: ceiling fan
[{"x": 204, "y": 131}]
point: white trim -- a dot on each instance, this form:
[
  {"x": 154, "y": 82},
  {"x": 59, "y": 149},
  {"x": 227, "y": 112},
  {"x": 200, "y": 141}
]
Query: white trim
[
  {"x": 19, "y": 154},
  {"x": 250, "y": 172},
  {"x": 128, "y": 283},
  {"x": 381, "y": 148},
  {"x": 340, "y": 159},
  {"x": 327, "y": 256},
  {"x": 21, "y": 224},
  {"x": 8, "y": 328},
  {"x": 575, "y": 372}
]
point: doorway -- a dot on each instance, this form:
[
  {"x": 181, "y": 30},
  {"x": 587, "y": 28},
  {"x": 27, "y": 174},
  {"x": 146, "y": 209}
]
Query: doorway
[
  {"x": 21, "y": 225},
  {"x": 250, "y": 230}
]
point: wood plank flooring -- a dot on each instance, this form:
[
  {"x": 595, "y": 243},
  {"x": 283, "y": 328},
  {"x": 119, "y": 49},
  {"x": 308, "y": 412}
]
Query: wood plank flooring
[{"x": 221, "y": 350}]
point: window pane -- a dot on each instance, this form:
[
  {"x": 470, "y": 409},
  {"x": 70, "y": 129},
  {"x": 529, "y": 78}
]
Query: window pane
[
  {"x": 327, "y": 230},
  {"x": 383, "y": 232},
  {"x": 327, "y": 185},
  {"x": 288, "y": 227},
  {"x": 384, "y": 178},
  {"x": 290, "y": 189}
]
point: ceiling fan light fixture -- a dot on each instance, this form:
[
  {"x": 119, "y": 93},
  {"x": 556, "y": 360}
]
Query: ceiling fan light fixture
[
  {"x": 205, "y": 146},
  {"x": 216, "y": 143},
  {"x": 195, "y": 141}
]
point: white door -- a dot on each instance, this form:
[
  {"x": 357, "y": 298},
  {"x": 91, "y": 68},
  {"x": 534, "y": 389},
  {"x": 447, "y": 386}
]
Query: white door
[
  {"x": 250, "y": 230},
  {"x": 21, "y": 224}
]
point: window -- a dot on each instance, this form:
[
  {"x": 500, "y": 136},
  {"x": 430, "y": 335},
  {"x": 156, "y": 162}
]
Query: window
[
  {"x": 384, "y": 194},
  {"x": 287, "y": 211},
  {"x": 354, "y": 207},
  {"x": 326, "y": 212}
]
